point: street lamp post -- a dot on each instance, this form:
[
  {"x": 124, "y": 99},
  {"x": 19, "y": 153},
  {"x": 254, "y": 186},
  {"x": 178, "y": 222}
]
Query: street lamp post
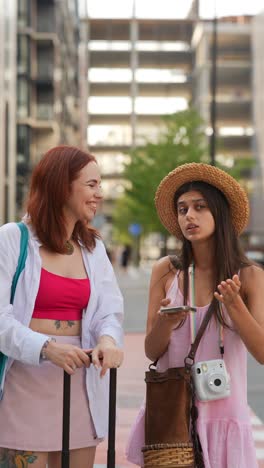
[{"x": 213, "y": 92}]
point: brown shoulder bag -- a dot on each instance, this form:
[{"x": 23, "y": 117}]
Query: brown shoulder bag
[{"x": 171, "y": 439}]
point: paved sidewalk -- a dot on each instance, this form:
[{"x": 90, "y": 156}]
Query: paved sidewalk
[
  {"x": 130, "y": 394},
  {"x": 131, "y": 390}
]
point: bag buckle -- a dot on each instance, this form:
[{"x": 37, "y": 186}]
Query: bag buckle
[
  {"x": 153, "y": 365},
  {"x": 188, "y": 362}
]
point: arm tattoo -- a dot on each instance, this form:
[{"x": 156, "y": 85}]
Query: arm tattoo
[{"x": 63, "y": 324}]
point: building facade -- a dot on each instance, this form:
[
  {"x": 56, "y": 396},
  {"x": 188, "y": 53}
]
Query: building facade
[
  {"x": 137, "y": 71},
  {"x": 141, "y": 69},
  {"x": 8, "y": 16},
  {"x": 258, "y": 97},
  {"x": 233, "y": 97},
  {"x": 47, "y": 82}
]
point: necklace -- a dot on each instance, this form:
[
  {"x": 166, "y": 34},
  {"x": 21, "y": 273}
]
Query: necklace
[{"x": 69, "y": 248}]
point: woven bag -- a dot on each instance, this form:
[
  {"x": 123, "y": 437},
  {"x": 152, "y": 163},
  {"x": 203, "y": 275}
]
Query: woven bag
[
  {"x": 171, "y": 439},
  {"x": 167, "y": 419},
  {"x": 169, "y": 455}
]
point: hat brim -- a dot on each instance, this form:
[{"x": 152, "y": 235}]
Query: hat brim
[{"x": 234, "y": 193}]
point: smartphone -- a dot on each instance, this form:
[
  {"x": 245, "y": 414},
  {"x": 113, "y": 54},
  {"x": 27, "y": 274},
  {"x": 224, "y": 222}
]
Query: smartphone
[{"x": 176, "y": 310}]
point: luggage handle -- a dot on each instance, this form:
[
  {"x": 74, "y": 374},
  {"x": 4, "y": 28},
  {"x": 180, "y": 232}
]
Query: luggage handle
[
  {"x": 111, "y": 416},
  {"x": 65, "y": 455}
]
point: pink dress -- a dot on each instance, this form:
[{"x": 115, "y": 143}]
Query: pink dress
[{"x": 223, "y": 425}]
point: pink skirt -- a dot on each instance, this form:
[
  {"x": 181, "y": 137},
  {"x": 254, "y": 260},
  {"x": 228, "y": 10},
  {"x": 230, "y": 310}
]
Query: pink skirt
[{"x": 31, "y": 409}]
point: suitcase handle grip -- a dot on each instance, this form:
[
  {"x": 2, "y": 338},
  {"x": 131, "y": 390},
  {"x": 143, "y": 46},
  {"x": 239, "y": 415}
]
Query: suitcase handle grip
[
  {"x": 111, "y": 416},
  {"x": 65, "y": 454}
]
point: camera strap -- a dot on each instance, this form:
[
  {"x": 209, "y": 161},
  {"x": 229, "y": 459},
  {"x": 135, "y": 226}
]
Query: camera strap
[{"x": 193, "y": 322}]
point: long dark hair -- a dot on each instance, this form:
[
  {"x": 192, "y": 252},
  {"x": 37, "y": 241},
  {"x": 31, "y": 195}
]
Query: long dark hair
[{"x": 229, "y": 256}]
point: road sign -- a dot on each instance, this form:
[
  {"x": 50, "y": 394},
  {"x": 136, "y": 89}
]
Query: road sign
[{"x": 135, "y": 229}]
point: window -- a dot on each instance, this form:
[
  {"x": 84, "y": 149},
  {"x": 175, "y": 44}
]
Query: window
[
  {"x": 109, "y": 105},
  {"x": 23, "y": 66},
  {"x": 148, "y": 132},
  {"x": 23, "y": 17},
  {"x": 160, "y": 105},
  {"x": 165, "y": 46},
  {"x": 110, "y": 75},
  {"x": 155, "y": 75},
  {"x": 112, "y": 189},
  {"x": 109, "y": 45},
  {"x": 109, "y": 135},
  {"x": 22, "y": 97},
  {"x": 23, "y": 144},
  {"x": 112, "y": 163}
]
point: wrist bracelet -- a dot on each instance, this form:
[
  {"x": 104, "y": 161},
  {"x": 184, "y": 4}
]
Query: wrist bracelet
[{"x": 43, "y": 355}]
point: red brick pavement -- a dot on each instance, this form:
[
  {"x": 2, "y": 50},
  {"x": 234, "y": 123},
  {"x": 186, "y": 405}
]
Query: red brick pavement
[{"x": 130, "y": 394}]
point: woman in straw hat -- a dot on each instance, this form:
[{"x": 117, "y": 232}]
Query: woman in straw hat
[{"x": 207, "y": 209}]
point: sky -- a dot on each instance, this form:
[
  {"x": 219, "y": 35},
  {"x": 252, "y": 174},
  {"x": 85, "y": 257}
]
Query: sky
[{"x": 169, "y": 8}]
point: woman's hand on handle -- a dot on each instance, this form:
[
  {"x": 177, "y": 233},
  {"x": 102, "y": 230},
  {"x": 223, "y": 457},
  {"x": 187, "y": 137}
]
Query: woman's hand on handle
[
  {"x": 67, "y": 356},
  {"x": 106, "y": 354}
]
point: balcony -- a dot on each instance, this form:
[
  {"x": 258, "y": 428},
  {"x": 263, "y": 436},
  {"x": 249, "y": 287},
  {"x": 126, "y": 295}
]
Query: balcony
[
  {"x": 241, "y": 145},
  {"x": 117, "y": 59},
  {"x": 118, "y": 29},
  {"x": 46, "y": 22},
  {"x": 45, "y": 73},
  {"x": 236, "y": 112},
  {"x": 165, "y": 60},
  {"x": 45, "y": 112}
]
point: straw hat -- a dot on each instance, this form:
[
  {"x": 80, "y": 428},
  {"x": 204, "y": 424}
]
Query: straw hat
[{"x": 234, "y": 193}]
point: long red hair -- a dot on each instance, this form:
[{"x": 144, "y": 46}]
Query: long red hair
[{"x": 49, "y": 190}]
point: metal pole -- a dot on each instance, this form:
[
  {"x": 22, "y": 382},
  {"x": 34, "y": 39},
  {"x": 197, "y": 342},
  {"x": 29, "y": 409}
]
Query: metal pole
[
  {"x": 213, "y": 92},
  {"x": 134, "y": 67},
  {"x": 65, "y": 455},
  {"x": 112, "y": 419}
]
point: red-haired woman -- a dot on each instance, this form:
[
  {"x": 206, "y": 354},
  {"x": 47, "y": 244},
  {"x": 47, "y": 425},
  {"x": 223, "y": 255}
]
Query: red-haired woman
[{"x": 67, "y": 303}]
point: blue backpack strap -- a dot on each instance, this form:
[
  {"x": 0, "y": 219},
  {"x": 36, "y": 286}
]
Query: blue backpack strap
[
  {"x": 20, "y": 267},
  {"x": 22, "y": 258}
]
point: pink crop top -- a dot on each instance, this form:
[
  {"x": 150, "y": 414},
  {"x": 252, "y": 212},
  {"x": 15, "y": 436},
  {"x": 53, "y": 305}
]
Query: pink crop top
[{"x": 61, "y": 298}]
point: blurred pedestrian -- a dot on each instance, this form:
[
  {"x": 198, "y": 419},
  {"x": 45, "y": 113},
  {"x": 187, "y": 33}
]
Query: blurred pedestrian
[
  {"x": 125, "y": 256},
  {"x": 207, "y": 210},
  {"x": 67, "y": 303}
]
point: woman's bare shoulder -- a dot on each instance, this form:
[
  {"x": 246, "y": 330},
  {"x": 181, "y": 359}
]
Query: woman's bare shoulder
[
  {"x": 254, "y": 269},
  {"x": 252, "y": 276},
  {"x": 162, "y": 270},
  {"x": 163, "y": 265}
]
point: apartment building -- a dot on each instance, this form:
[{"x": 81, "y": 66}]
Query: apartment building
[
  {"x": 137, "y": 70},
  {"x": 47, "y": 82},
  {"x": 140, "y": 69},
  {"x": 239, "y": 100},
  {"x": 8, "y": 14},
  {"x": 258, "y": 96},
  {"x": 234, "y": 124},
  {"x": 257, "y": 215}
]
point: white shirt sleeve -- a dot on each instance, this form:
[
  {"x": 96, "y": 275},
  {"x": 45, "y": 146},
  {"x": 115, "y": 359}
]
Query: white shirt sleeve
[
  {"x": 110, "y": 308},
  {"x": 16, "y": 340}
]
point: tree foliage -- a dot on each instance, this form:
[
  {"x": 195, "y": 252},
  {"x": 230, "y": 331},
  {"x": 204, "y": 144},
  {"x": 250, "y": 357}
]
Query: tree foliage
[{"x": 181, "y": 140}]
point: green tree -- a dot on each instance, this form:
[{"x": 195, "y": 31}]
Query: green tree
[{"x": 181, "y": 140}]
